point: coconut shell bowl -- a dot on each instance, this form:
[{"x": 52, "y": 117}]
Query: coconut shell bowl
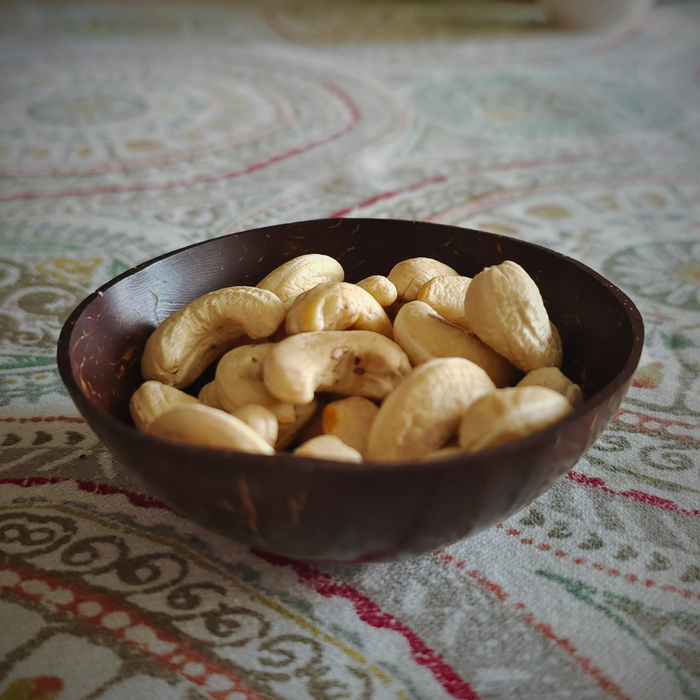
[{"x": 320, "y": 509}]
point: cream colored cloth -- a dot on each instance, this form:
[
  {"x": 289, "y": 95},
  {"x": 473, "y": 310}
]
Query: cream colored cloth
[{"x": 131, "y": 129}]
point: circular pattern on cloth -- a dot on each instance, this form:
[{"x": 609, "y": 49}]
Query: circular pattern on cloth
[
  {"x": 87, "y": 109},
  {"x": 585, "y": 217},
  {"x": 94, "y": 112},
  {"x": 542, "y": 106},
  {"x": 46, "y": 270},
  {"x": 668, "y": 272},
  {"x": 580, "y": 208}
]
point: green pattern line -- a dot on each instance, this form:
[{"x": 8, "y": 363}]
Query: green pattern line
[
  {"x": 24, "y": 362},
  {"x": 668, "y": 485},
  {"x": 585, "y": 592}
]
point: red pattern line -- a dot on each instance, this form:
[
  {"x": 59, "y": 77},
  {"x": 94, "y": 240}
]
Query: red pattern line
[
  {"x": 662, "y": 427},
  {"x": 542, "y": 627},
  {"x": 369, "y": 612},
  {"x": 144, "y": 501},
  {"x": 141, "y": 500},
  {"x": 207, "y": 179},
  {"x": 135, "y": 163},
  {"x": 96, "y": 609},
  {"x": 561, "y": 160},
  {"x": 388, "y": 195},
  {"x": 487, "y": 198},
  {"x": 639, "y": 496},
  {"x": 598, "y": 566}
]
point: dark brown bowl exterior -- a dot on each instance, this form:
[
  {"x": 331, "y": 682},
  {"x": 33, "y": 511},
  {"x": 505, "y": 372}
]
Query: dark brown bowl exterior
[{"x": 319, "y": 509}]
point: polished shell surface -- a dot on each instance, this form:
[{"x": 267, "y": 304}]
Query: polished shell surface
[{"x": 318, "y": 509}]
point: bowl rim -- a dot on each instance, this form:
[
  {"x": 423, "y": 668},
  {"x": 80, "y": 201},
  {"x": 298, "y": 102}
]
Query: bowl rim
[{"x": 505, "y": 450}]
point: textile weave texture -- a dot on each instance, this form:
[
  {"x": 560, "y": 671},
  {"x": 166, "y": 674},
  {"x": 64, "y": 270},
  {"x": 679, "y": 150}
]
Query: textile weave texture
[{"x": 128, "y": 130}]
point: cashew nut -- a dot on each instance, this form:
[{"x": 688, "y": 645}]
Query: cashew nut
[
  {"x": 420, "y": 415},
  {"x": 304, "y": 272},
  {"x": 179, "y": 350},
  {"x": 197, "y": 424},
  {"x": 504, "y": 307},
  {"x": 381, "y": 288},
  {"x": 239, "y": 382},
  {"x": 361, "y": 363},
  {"x": 208, "y": 396},
  {"x": 509, "y": 414},
  {"x": 446, "y": 296},
  {"x": 351, "y": 420},
  {"x": 153, "y": 399},
  {"x": 262, "y": 420},
  {"x": 552, "y": 378},
  {"x": 425, "y": 335},
  {"x": 328, "y": 447},
  {"x": 336, "y": 306},
  {"x": 410, "y": 275}
]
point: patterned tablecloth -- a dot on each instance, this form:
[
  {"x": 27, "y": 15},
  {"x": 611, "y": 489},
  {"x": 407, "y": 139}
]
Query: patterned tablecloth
[{"x": 131, "y": 129}]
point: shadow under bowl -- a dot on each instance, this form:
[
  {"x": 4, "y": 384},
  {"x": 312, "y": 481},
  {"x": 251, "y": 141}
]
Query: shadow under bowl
[{"x": 318, "y": 509}]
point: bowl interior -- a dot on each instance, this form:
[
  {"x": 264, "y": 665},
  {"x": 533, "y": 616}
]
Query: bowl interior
[
  {"x": 111, "y": 328},
  {"x": 101, "y": 345}
]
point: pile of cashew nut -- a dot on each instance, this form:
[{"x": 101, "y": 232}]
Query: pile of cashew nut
[{"x": 421, "y": 364}]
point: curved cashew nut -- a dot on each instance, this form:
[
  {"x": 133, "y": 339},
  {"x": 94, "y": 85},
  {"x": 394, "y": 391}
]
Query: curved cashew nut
[
  {"x": 350, "y": 420},
  {"x": 410, "y": 275},
  {"x": 425, "y": 335},
  {"x": 304, "y": 272},
  {"x": 197, "y": 424},
  {"x": 208, "y": 396},
  {"x": 509, "y": 414},
  {"x": 239, "y": 382},
  {"x": 328, "y": 447},
  {"x": 359, "y": 363},
  {"x": 181, "y": 348},
  {"x": 446, "y": 296},
  {"x": 421, "y": 414},
  {"x": 553, "y": 378},
  {"x": 504, "y": 307},
  {"x": 262, "y": 420},
  {"x": 336, "y": 306},
  {"x": 381, "y": 288},
  {"x": 153, "y": 399}
]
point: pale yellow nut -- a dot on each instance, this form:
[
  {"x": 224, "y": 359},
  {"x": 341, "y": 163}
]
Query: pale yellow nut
[
  {"x": 424, "y": 411},
  {"x": 509, "y": 414},
  {"x": 504, "y": 307},
  {"x": 381, "y": 288},
  {"x": 153, "y": 399},
  {"x": 336, "y": 306},
  {"x": 424, "y": 334},
  {"x": 262, "y": 420},
  {"x": 304, "y": 272},
  {"x": 410, "y": 275},
  {"x": 446, "y": 296},
  {"x": 361, "y": 363},
  {"x": 350, "y": 420},
  {"x": 208, "y": 396},
  {"x": 197, "y": 424},
  {"x": 190, "y": 339},
  {"x": 553, "y": 378},
  {"x": 328, "y": 447},
  {"x": 239, "y": 382}
]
